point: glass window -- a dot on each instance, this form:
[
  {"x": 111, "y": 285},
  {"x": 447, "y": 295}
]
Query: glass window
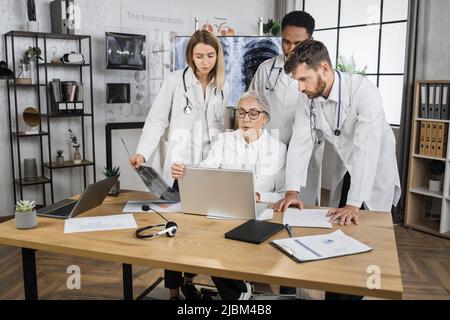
[
  {"x": 393, "y": 43},
  {"x": 394, "y": 10},
  {"x": 356, "y": 12},
  {"x": 361, "y": 43},
  {"x": 391, "y": 88},
  {"x": 324, "y": 12},
  {"x": 329, "y": 38}
]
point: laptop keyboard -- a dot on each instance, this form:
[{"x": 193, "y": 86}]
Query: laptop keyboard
[{"x": 58, "y": 209}]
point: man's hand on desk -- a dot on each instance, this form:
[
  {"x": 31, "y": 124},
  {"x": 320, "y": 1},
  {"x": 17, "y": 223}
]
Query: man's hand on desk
[
  {"x": 345, "y": 215},
  {"x": 290, "y": 199}
]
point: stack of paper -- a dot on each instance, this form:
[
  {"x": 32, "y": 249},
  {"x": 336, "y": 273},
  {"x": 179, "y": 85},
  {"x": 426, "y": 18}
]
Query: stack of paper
[
  {"x": 103, "y": 223},
  {"x": 307, "y": 218},
  {"x": 320, "y": 247}
]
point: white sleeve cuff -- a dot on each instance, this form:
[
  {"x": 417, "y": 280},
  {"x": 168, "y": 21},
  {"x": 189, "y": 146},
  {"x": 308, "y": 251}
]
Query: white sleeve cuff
[
  {"x": 270, "y": 197},
  {"x": 357, "y": 204},
  {"x": 295, "y": 188}
]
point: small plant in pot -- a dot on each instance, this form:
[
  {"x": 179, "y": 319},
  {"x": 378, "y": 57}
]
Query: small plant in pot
[
  {"x": 113, "y": 172},
  {"x": 76, "y": 145},
  {"x": 59, "y": 157},
  {"x": 25, "y": 214},
  {"x": 436, "y": 169}
]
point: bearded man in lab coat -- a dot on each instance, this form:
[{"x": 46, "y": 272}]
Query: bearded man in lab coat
[{"x": 345, "y": 110}]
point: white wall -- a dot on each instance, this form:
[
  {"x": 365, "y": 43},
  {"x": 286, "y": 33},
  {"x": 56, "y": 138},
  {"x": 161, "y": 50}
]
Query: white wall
[{"x": 96, "y": 17}]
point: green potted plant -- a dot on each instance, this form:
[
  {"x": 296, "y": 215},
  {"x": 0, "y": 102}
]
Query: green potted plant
[
  {"x": 59, "y": 157},
  {"x": 25, "y": 214},
  {"x": 272, "y": 28},
  {"x": 31, "y": 55},
  {"x": 113, "y": 172},
  {"x": 76, "y": 146},
  {"x": 350, "y": 66}
]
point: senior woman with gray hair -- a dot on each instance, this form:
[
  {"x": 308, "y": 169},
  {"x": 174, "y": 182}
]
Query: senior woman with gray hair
[{"x": 251, "y": 147}]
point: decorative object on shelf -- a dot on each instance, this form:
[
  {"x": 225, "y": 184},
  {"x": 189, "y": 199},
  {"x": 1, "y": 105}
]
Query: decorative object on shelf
[
  {"x": 30, "y": 170},
  {"x": 31, "y": 56},
  {"x": 436, "y": 168},
  {"x": 115, "y": 171},
  {"x": 261, "y": 26},
  {"x": 59, "y": 157},
  {"x": 76, "y": 145},
  {"x": 349, "y": 66},
  {"x": 64, "y": 16},
  {"x": 272, "y": 28},
  {"x": 72, "y": 58},
  {"x": 32, "y": 24},
  {"x": 5, "y": 72},
  {"x": 32, "y": 119},
  {"x": 25, "y": 214}
]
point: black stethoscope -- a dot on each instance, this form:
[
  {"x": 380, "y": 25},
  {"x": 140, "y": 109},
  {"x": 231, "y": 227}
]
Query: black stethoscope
[
  {"x": 337, "y": 131},
  {"x": 188, "y": 109},
  {"x": 280, "y": 69}
]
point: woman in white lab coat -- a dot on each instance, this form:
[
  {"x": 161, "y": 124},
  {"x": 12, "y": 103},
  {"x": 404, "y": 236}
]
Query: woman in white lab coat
[
  {"x": 184, "y": 119},
  {"x": 249, "y": 148},
  {"x": 189, "y": 110}
]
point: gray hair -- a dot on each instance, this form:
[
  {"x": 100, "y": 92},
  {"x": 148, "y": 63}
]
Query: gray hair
[{"x": 259, "y": 97}]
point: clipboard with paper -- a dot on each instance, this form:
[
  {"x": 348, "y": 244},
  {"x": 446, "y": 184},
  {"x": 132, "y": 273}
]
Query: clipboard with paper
[{"x": 313, "y": 248}]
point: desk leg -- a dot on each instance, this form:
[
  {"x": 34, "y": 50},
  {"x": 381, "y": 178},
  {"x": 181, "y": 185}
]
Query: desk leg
[
  {"x": 29, "y": 274},
  {"x": 127, "y": 271}
]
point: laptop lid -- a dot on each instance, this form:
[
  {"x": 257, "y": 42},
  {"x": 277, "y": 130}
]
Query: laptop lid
[
  {"x": 218, "y": 192},
  {"x": 93, "y": 196}
]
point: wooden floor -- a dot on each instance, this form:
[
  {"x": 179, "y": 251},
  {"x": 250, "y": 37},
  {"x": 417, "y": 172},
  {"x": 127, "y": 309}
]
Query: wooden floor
[{"x": 424, "y": 261}]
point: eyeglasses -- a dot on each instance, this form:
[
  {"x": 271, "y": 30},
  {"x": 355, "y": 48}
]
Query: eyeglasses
[{"x": 252, "y": 113}]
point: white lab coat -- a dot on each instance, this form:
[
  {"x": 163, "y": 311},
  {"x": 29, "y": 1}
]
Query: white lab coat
[
  {"x": 366, "y": 146},
  {"x": 170, "y": 134},
  {"x": 266, "y": 157},
  {"x": 284, "y": 100}
]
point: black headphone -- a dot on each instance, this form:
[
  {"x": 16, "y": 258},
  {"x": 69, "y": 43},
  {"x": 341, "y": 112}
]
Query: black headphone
[{"x": 170, "y": 228}]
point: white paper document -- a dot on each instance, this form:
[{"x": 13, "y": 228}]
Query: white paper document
[
  {"x": 307, "y": 218},
  {"x": 263, "y": 212},
  {"x": 320, "y": 247},
  {"x": 103, "y": 223},
  {"x": 136, "y": 206}
]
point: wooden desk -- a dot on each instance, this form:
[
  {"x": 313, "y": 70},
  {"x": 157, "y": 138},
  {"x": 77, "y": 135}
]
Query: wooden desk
[{"x": 200, "y": 247}]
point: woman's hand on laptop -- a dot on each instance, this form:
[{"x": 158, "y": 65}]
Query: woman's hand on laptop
[
  {"x": 290, "y": 199},
  {"x": 136, "y": 160},
  {"x": 177, "y": 170}
]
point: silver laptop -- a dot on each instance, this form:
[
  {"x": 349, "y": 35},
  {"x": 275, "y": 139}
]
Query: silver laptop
[
  {"x": 91, "y": 197},
  {"x": 219, "y": 193}
]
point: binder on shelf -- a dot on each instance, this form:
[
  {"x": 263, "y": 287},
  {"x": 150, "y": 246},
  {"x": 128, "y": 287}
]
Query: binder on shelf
[
  {"x": 427, "y": 138},
  {"x": 431, "y": 96},
  {"x": 445, "y": 102},
  {"x": 422, "y": 147},
  {"x": 434, "y": 138},
  {"x": 442, "y": 136},
  {"x": 424, "y": 101},
  {"x": 438, "y": 101}
]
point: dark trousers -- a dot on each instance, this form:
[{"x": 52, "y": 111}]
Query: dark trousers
[
  {"x": 174, "y": 279},
  {"x": 229, "y": 289}
]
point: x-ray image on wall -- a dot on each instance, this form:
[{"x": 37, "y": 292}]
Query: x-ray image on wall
[{"x": 243, "y": 55}]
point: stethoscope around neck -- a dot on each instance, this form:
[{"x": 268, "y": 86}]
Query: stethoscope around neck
[
  {"x": 337, "y": 132},
  {"x": 272, "y": 68},
  {"x": 188, "y": 109}
]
